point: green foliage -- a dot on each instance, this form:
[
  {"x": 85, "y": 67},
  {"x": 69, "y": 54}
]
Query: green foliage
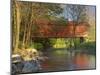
[
  {"x": 52, "y": 41},
  {"x": 60, "y": 43},
  {"x": 89, "y": 47},
  {"x": 60, "y": 21},
  {"x": 37, "y": 46},
  {"x": 92, "y": 33}
]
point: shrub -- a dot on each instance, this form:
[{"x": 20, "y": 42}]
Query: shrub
[{"x": 89, "y": 47}]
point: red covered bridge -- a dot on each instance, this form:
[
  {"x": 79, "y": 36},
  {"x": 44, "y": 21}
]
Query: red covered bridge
[{"x": 48, "y": 28}]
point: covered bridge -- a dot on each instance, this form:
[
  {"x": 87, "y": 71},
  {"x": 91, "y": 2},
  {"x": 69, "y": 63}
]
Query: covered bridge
[{"x": 46, "y": 28}]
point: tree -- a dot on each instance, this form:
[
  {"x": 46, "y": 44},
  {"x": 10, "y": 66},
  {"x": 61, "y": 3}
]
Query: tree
[
  {"x": 16, "y": 24},
  {"x": 77, "y": 14},
  {"x": 25, "y": 15}
]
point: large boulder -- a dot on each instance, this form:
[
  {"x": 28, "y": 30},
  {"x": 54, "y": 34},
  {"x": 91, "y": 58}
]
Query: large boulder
[{"x": 31, "y": 66}]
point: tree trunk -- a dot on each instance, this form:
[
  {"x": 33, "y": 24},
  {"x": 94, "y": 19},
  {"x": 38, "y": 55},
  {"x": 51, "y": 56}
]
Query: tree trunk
[
  {"x": 17, "y": 26},
  {"x": 74, "y": 35},
  {"x": 24, "y": 36},
  {"x": 29, "y": 28}
]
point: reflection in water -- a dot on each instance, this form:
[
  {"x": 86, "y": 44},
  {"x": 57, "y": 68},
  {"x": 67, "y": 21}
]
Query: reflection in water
[
  {"x": 63, "y": 61},
  {"x": 81, "y": 61}
]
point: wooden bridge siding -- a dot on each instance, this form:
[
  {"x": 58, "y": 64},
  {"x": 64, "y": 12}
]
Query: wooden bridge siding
[
  {"x": 80, "y": 31},
  {"x": 48, "y": 29}
]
